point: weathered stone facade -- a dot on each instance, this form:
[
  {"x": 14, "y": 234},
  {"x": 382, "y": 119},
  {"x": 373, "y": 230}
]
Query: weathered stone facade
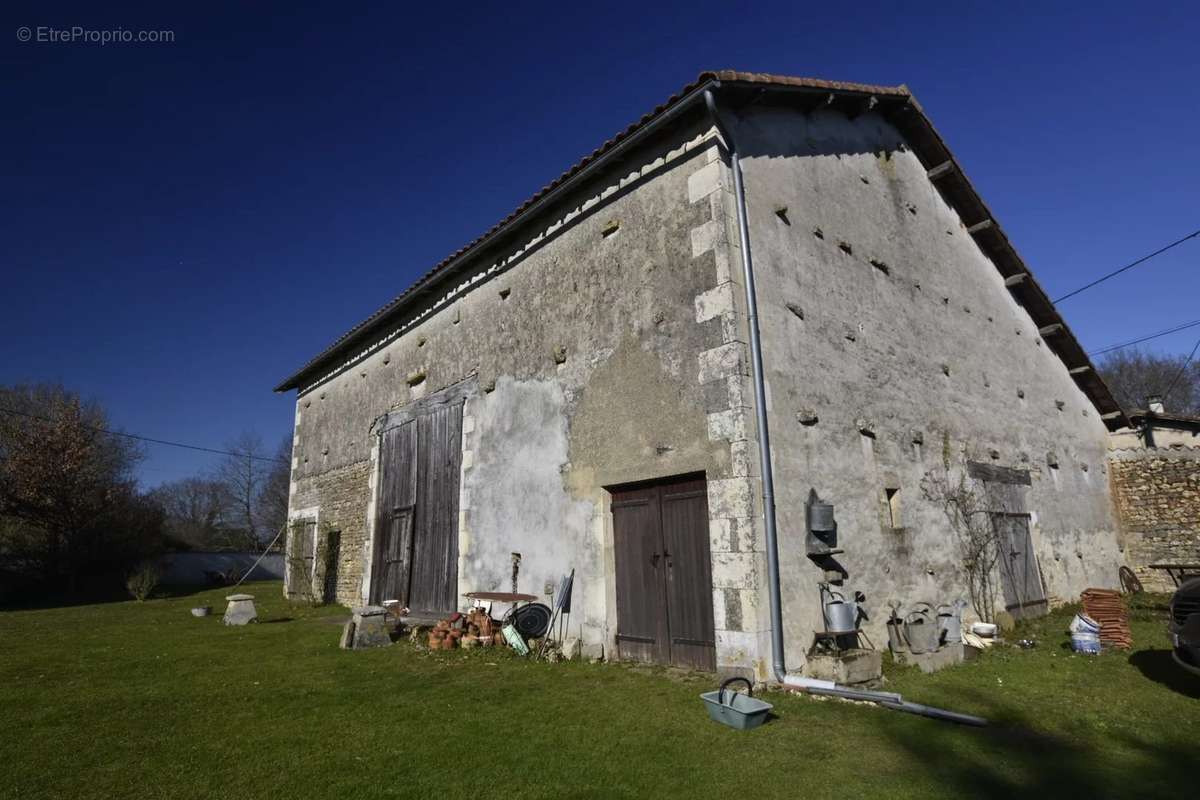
[
  {"x": 338, "y": 501},
  {"x": 893, "y": 348},
  {"x": 606, "y": 343},
  {"x": 1157, "y": 492}
]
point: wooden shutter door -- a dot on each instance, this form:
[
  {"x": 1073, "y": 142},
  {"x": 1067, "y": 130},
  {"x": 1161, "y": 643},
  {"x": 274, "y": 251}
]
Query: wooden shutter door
[
  {"x": 434, "y": 583},
  {"x": 642, "y": 631},
  {"x": 392, "y": 562},
  {"x": 1020, "y": 578},
  {"x": 301, "y": 557},
  {"x": 689, "y": 574}
]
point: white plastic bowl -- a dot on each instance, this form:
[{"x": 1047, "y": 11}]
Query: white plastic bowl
[{"x": 985, "y": 629}]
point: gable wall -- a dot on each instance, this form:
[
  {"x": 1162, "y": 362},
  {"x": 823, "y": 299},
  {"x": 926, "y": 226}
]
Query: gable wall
[
  {"x": 872, "y": 352},
  {"x": 597, "y": 359}
]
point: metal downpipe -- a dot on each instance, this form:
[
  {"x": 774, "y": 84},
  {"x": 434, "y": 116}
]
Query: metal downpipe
[{"x": 778, "y": 661}]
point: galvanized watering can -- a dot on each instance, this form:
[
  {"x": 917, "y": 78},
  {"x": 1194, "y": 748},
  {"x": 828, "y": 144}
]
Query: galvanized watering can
[
  {"x": 921, "y": 630},
  {"x": 949, "y": 618},
  {"x": 841, "y": 615},
  {"x": 740, "y": 711}
]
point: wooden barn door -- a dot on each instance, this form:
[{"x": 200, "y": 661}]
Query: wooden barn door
[
  {"x": 416, "y": 530},
  {"x": 664, "y": 574},
  {"x": 1020, "y": 578},
  {"x": 1004, "y": 491},
  {"x": 434, "y": 585}
]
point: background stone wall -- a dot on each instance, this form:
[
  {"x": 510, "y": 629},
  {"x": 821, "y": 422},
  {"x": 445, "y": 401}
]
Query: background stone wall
[{"x": 1157, "y": 492}]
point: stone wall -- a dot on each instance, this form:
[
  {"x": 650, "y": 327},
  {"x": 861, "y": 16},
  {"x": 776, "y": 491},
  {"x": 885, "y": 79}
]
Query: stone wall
[
  {"x": 338, "y": 501},
  {"x": 606, "y": 346},
  {"x": 892, "y": 348},
  {"x": 1157, "y": 492}
]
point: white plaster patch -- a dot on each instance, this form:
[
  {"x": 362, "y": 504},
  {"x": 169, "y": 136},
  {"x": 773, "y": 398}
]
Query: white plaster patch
[{"x": 519, "y": 502}]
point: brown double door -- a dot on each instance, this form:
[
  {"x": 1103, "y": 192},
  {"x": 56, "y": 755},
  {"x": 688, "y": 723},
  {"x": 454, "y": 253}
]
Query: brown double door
[
  {"x": 416, "y": 527},
  {"x": 664, "y": 573}
]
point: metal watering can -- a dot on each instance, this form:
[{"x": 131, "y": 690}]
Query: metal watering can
[
  {"x": 949, "y": 619},
  {"x": 921, "y": 630},
  {"x": 841, "y": 615}
]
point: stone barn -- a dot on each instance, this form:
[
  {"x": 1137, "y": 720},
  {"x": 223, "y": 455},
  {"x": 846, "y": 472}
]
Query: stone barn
[{"x": 766, "y": 287}]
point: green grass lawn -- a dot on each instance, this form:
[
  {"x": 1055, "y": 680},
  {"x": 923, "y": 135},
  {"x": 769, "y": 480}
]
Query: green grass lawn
[{"x": 128, "y": 700}]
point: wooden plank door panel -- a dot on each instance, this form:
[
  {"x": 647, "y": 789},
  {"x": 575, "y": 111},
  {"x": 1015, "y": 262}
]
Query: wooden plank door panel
[
  {"x": 395, "y": 553},
  {"x": 434, "y": 582},
  {"x": 392, "y": 560},
  {"x": 688, "y": 574},
  {"x": 1020, "y": 578},
  {"x": 642, "y": 628}
]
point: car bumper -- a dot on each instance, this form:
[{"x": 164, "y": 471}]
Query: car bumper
[{"x": 1186, "y": 653}]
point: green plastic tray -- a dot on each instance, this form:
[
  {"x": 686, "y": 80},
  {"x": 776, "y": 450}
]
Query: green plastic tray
[{"x": 738, "y": 711}]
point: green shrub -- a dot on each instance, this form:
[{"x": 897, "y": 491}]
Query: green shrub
[{"x": 142, "y": 581}]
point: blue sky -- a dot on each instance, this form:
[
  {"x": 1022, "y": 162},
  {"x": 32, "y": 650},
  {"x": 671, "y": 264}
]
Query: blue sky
[{"x": 184, "y": 224}]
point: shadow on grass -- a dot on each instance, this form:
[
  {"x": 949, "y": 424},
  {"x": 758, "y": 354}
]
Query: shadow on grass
[
  {"x": 1011, "y": 758},
  {"x": 1160, "y": 667},
  {"x": 89, "y": 595}
]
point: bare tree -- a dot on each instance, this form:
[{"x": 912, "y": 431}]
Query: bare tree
[
  {"x": 273, "y": 499},
  {"x": 975, "y": 534},
  {"x": 1133, "y": 375},
  {"x": 195, "y": 510},
  {"x": 242, "y": 477}
]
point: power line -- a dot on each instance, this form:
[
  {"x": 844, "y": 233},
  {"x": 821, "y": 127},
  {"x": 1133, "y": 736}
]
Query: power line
[
  {"x": 1130, "y": 265},
  {"x": 150, "y": 439},
  {"x": 1176, "y": 329},
  {"x": 1182, "y": 368}
]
